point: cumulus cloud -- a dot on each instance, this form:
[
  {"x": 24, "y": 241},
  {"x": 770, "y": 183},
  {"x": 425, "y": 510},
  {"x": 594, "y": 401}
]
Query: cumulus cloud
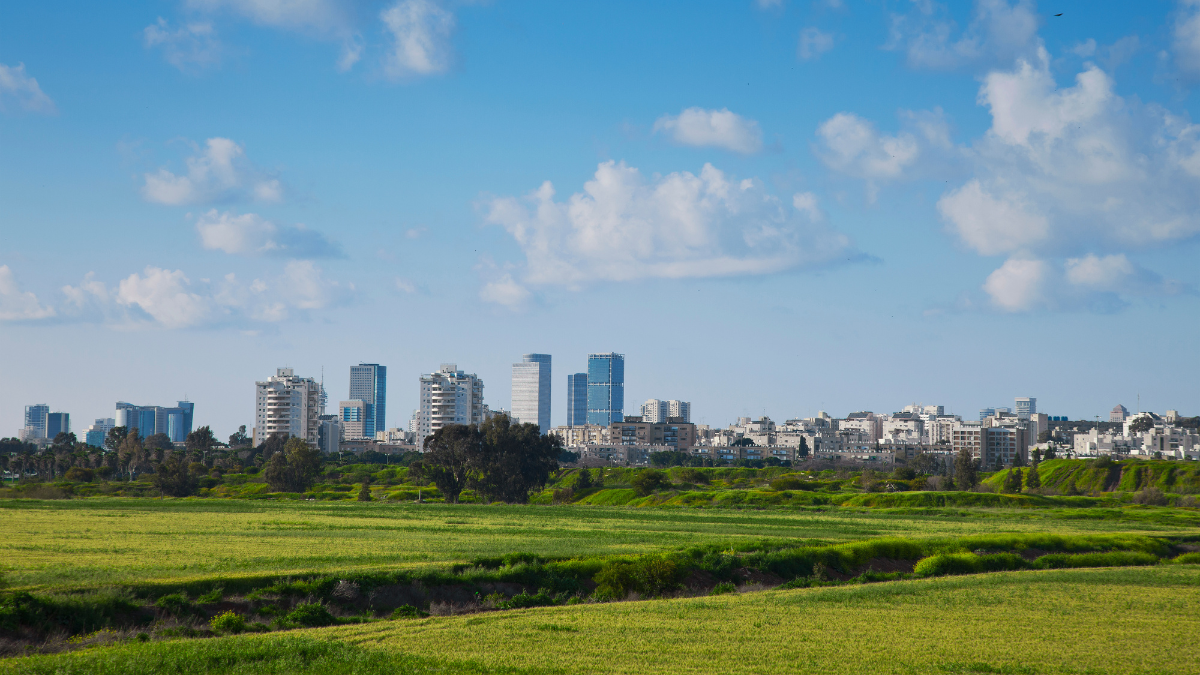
[
  {"x": 1093, "y": 282},
  {"x": 165, "y": 298},
  {"x": 504, "y": 291},
  {"x": 854, "y": 147},
  {"x": 18, "y": 305},
  {"x": 998, "y": 33},
  {"x": 191, "y": 47},
  {"x": 420, "y": 31},
  {"x": 1185, "y": 38},
  {"x": 17, "y": 88},
  {"x": 217, "y": 173},
  {"x": 712, "y": 128},
  {"x": 624, "y": 226},
  {"x": 813, "y": 43},
  {"x": 251, "y": 234}
]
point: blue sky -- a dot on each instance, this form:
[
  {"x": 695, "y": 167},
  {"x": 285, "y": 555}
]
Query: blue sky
[{"x": 768, "y": 207}]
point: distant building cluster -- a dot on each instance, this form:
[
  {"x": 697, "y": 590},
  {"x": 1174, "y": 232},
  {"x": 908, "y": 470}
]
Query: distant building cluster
[{"x": 42, "y": 426}]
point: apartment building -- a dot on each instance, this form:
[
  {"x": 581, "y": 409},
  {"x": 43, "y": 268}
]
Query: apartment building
[
  {"x": 287, "y": 404},
  {"x": 448, "y": 396}
]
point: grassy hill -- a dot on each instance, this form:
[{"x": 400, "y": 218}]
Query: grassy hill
[{"x": 1078, "y": 476}]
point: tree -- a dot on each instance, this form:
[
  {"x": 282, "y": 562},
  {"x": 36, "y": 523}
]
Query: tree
[
  {"x": 364, "y": 495},
  {"x": 450, "y": 457},
  {"x": 515, "y": 460},
  {"x": 583, "y": 480},
  {"x": 1032, "y": 480},
  {"x": 294, "y": 468},
  {"x": 743, "y": 442},
  {"x": 1012, "y": 482},
  {"x": 201, "y": 440},
  {"x": 275, "y": 443},
  {"x": 1037, "y": 456},
  {"x": 173, "y": 478},
  {"x": 648, "y": 481},
  {"x": 158, "y": 442},
  {"x": 1051, "y": 452},
  {"x": 667, "y": 458},
  {"x": 130, "y": 452},
  {"x": 1144, "y": 422},
  {"x": 802, "y": 449},
  {"x": 239, "y": 439},
  {"x": 112, "y": 442},
  {"x": 966, "y": 475}
]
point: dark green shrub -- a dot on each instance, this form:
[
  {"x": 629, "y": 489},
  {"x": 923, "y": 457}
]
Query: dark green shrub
[
  {"x": 646, "y": 482},
  {"x": 719, "y": 565},
  {"x": 212, "y": 596},
  {"x": 968, "y": 563},
  {"x": 1151, "y": 496},
  {"x": 408, "y": 612},
  {"x": 787, "y": 483},
  {"x": 657, "y": 575},
  {"x": 1188, "y": 559},
  {"x": 176, "y": 604},
  {"x": 723, "y": 588},
  {"x": 693, "y": 476},
  {"x": 615, "y": 580},
  {"x": 310, "y": 614},
  {"x": 228, "y": 622},
  {"x": 542, "y": 598}
]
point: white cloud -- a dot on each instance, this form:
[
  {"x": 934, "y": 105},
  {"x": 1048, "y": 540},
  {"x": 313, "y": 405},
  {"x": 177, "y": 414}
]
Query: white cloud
[
  {"x": 189, "y": 48},
  {"x": 990, "y": 225},
  {"x": 1018, "y": 285},
  {"x": 318, "y": 17},
  {"x": 218, "y": 173},
  {"x": 23, "y": 90},
  {"x": 1107, "y": 273},
  {"x": 504, "y": 291},
  {"x": 250, "y": 234},
  {"x": 712, "y": 128},
  {"x": 853, "y": 146},
  {"x": 164, "y": 295},
  {"x": 624, "y": 227},
  {"x": 421, "y": 32},
  {"x": 1186, "y": 38},
  {"x": 769, "y": 4},
  {"x": 813, "y": 43},
  {"x": 18, "y": 305},
  {"x": 1097, "y": 283},
  {"x": 999, "y": 32}
]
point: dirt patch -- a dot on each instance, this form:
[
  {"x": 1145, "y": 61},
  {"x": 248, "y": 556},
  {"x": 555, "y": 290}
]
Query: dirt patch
[
  {"x": 746, "y": 575},
  {"x": 699, "y": 580},
  {"x": 886, "y": 566}
]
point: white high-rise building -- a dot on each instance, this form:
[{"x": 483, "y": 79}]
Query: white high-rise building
[
  {"x": 353, "y": 414},
  {"x": 531, "y": 391},
  {"x": 448, "y": 396},
  {"x": 655, "y": 411},
  {"x": 290, "y": 405},
  {"x": 680, "y": 409},
  {"x": 1025, "y": 407}
]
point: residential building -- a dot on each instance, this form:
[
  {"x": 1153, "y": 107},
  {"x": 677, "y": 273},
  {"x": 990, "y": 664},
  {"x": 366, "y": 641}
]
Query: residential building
[
  {"x": 1118, "y": 413},
  {"x": 368, "y": 383},
  {"x": 57, "y": 423},
  {"x": 531, "y": 391},
  {"x": 1025, "y": 407},
  {"x": 329, "y": 433},
  {"x": 606, "y": 388},
  {"x": 633, "y": 430},
  {"x": 680, "y": 409},
  {"x": 289, "y": 405},
  {"x": 394, "y": 436},
  {"x": 576, "y": 399},
  {"x": 582, "y": 434},
  {"x": 970, "y": 436},
  {"x": 904, "y": 428},
  {"x": 353, "y": 414},
  {"x": 98, "y": 432},
  {"x": 175, "y": 421},
  {"x": 35, "y": 421},
  {"x": 655, "y": 411},
  {"x": 1003, "y": 445},
  {"x": 866, "y": 422},
  {"x": 448, "y": 396}
]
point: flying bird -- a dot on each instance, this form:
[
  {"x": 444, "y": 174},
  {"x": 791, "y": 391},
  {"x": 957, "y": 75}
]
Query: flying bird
[{"x": 1059, "y": 14}]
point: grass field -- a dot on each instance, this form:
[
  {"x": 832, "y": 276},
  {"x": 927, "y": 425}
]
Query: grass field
[
  {"x": 1096, "y": 621},
  {"x": 91, "y": 542}
]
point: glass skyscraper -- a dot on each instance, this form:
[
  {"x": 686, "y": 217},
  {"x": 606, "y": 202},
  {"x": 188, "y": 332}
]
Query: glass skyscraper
[
  {"x": 368, "y": 383},
  {"x": 605, "y": 388},
  {"x": 35, "y": 419},
  {"x": 577, "y": 399},
  {"x": 57, "y": 423},
  {"x": 531, "y": 391}
]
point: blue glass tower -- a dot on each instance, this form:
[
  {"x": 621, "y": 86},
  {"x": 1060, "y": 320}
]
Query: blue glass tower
[
  {"x": 577, "y": 399},
  {"x": 368, "y": 383},
  {"x": 605, "y": 388}
]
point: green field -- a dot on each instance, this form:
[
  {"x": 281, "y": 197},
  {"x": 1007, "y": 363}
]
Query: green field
[
  {"x": 1099, "y": 622},
  {"x": 95, "y": 542}
]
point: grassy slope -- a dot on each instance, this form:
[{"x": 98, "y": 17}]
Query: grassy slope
[
  {"x": 1099, "y": 621},
  {"x": 121, "y": 541},
  {"x": 1088, "y": 476}
]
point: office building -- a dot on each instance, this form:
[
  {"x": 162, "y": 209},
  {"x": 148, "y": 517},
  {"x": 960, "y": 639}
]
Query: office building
[
  {"x": 175, "y": 421},
  {"x": 35, "y": 421},
  {"x": 531, "y": 391},
  {"x": 288, "y": 405},
  {"x": 1025, "y": 407},
  {"x": 329, "y": 433},
  {"x": 354, "y": 415},
  {"x": 57, "y": 423},
  {"x": 368, "y": 383},
  {"x": 448, "y": 396},
  {"x": 1118, "y": 414},
  {"x": 95, "y": 434},
  {"x": 576, "y": 399},
  {"x": 606, "y": 388}
]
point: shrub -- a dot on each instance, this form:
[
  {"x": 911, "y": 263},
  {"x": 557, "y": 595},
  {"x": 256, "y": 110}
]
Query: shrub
[
  {"x": 408, "y": 612},
  {"x": 310, "y": 614},
  {"x": 543, "y": 598},
  {"x": 1109, "y": 559},
  {"x": 968, "y": 563},
  {"x": 1188, "y": 558},
  {"x": 723, "y": 588},
  {"x": 228, "y": 621},
  {"x": 79, "y": 474},
  {"x": 787, "y": 483},
  {"x": 648, "y": 481},
  {"x": 657, "y": 575},
  {"x": 364, "y": 494},
  {"x": 693, "y": 476},
  {"x": 1150, "y": 496},
  {"x": 212, "y": 596},
  {"x": 615, "y": 580},
  {"x": 176, "y": 604}
]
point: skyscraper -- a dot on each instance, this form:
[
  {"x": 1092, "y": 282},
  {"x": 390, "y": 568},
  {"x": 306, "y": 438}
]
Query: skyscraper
[
  {"x": 655, "y": 411},
  {"x": 57, "y": 423},
  {"x": 531, "y": 391},
  {"x": 288, "y": 405},
  {"x": 175, "y": 422},
  {"x": 35, "y": 421},
  {"x": 368, "y": 383},
  {"x": 679, "y": 409},
  {"x": 448, "y": 396},
  {"x": 576, "y": 399},
  {"x": 1026, "y": 407},
  {"x": 606, "y": 388}
]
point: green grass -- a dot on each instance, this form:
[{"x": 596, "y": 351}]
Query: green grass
[
  {"x": 1107, "y": 621},
  {"x": 92, "y": 542}
]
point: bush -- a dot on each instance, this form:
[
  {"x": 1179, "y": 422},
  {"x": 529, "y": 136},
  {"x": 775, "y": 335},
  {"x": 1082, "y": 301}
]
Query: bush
[
  {"x": 1188, "y": 559},
  {"x": 1150, "y": 496},
  {"x": 723, "y": 588},
  {"x": 228, "y": 621},
  {"x": 693, "y": 476},
  {"x": 1109, "y": 559},
  {"x": 615, "y": 580},
  {"x": 543, "y": 598},
  {"x": 176, "y": 604},
  {"x": 408, "y": 612},
  {"x": 79, "y": 474},
  {"x": 648, "y": 481},
  {"x": 787, "y": 483},
  {"x": 310, "y": 614},
  {"x": 657, "y": 575},
  {"x": 968, "y": 563}
]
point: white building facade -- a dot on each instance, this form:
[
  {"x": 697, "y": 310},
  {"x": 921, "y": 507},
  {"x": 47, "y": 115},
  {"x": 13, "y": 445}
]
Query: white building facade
[
  {"x": 531, "y": 391},
  {"x": 448, "y": 396},
  {"x": 289, "y": 405}
]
